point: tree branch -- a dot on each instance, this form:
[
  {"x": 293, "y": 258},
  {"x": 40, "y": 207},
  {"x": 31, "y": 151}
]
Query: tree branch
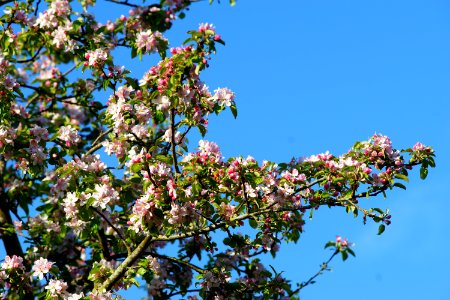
[
  {"x": 33, "y": 58},
  {"x": 179, "y": 261},
  {"x": 323, "y": 267},
  {"x": 114, "y": 228},
  {"x": 129, "y": 261},
  {"x": 124, "y": 2},
  {"x": 172, "y": 128}
]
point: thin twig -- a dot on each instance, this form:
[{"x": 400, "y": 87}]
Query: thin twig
[
  {"x": 323, "y": 267},
  {"x": 172, "y": 128},
  {"x": 179, "y": 261},
  {"x": 124, "y": 2},
  {"x": 96, "y": 146},
  {"x": 113, "y": 227},
  {"x": 31, "y": 58}
]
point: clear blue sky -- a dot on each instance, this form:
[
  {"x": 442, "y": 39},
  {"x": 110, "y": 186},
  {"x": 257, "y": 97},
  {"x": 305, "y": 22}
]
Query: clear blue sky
[{"x": 312, "y": 76}]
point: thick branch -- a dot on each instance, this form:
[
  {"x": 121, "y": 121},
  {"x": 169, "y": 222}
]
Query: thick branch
[
  {"x": 128, "y": 262},
  {"x": 10, "y": 240}
]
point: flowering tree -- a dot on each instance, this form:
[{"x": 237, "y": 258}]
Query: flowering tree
[{"x": 77, "y": 224}]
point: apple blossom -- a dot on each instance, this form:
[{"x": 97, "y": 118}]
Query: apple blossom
[{"x": 158, "y": 210}]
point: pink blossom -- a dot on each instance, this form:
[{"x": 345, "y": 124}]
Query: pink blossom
[
  {"x": 143, "y": 113},
  {"x": 208, "y": 147},
  {"x": 171, "y": 188},
  {"x": 49, "y": 18},
  {"x": 167, "y": 137},
  {"x": 37, "y": 152},
  {"x": 13, "y": 262},
  {"x": 162, "y": 103},
  {"x": 161, "y": 170},
  {"x": 69, "y": 204},
  {"x": 419, "y": 147},
  {"x": 140, "y": 131},
  {"x": 124, "y": 92},
  {"x": 117, "y": 147},
  {"x": 342, "y": 242},
  {"x": 39, "y": 133},
  {"x": 96, "y": 58},
  {"x": 148, "y": 40},
  {"x": 184, "y": 213},
  {"x": 7, "y": 135},
  {"x": 104, "y": 195},
  {"x": 224, "y": 96},
  {"x": 60, "y": 37},
  {"x": 203, "y": 27},
  {"x": 56, "y": 287},
  {"x": 10, "y": 83},
  {"x": 69, "y": 135},
  {"x": 74, "y": 296},
  {"x": 293, "y": 176},
  {"x": 325, "y": 156},
  {"x": 40, "y": 267},
  {"x": 227, "y": 210}
]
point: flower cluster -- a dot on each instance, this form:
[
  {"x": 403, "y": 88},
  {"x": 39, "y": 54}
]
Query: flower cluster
[{"x": 173, "y": 215}]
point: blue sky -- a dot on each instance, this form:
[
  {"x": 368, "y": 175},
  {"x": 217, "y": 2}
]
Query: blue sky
[{"x": 312, "y": 76}]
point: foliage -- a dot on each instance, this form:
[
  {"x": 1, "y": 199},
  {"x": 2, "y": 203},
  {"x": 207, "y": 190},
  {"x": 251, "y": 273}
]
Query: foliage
[{"x": 92, "y": 225}]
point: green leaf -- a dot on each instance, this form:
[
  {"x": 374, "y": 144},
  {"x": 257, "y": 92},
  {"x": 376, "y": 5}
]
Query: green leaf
[
  {"x": 330, "y": 244},
  {"x": 431, "y": 162},
  {"x": 142, "y": 271},
  {"x": 381, "y": 229},
  {"x": 234, "y": 111},
  {"x": 351, "y": 252},
  {"x": 398, "y": 184},
  {"x": 164, "y": 158},
  {"x": 423, "y": 172},
  {"x": 402, "y": 177},
  {"x": 159, "y": 117},
  {"x": 344, "y": 255},
  {"x": 196, "y": 188},
  {"x": 136, "y": 168},
  {"x": 253, "y": 223},
  {"x": 202, "y": 130}
]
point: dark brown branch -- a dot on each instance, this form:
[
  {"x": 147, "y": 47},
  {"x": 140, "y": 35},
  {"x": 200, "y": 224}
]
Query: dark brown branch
[
  {"x": 124, "y": 2},
  {"x": 33, "y": 58},
  {"x": 10, "y": 240},
  {"x": 3, "y": 2},
  {"x": 104, "y": 244}
]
